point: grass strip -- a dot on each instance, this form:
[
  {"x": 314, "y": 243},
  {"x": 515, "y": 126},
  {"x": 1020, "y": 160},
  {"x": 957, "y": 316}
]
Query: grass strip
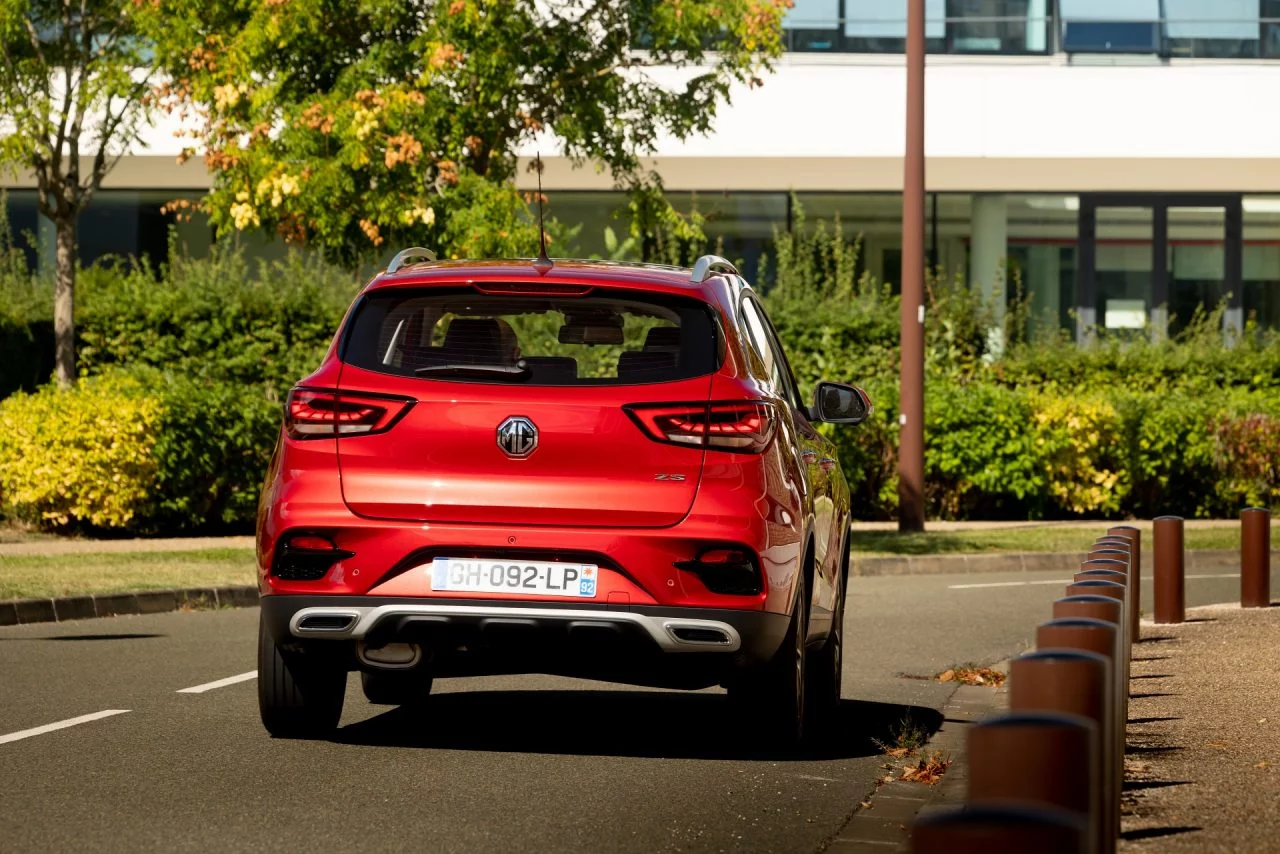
[
  {"x": 78, "y": 575},
  {"x": 1050, "y": 538}
]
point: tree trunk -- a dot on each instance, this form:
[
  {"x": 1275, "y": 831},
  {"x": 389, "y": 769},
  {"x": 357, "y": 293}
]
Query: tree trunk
[{"x": 64, "y": 302}]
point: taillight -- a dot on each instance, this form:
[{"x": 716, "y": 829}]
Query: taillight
[
  {"x": 312, "y": 414},
  {"x": 745, "y": 426}
]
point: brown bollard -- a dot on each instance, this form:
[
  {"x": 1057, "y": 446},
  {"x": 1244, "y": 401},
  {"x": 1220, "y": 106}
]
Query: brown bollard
[
  {"x": 1255, "y": 558},
  {"x": 1170, "y": 587},
  {"x": 1119, "y": 592},
  {"x": 1035, "y": 758},
  {"x": 1101, "y": 637},
  {"x": 1119, "y": 566},
  {"x": 1074, "y": 682},
  {"x": 1108, "y": 552},
  {"x": 1134, "y": 536},
  {"x": 999, "y": 828}
]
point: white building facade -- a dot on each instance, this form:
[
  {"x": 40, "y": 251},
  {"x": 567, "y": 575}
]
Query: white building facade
[{"x": 1118, "y": 160}]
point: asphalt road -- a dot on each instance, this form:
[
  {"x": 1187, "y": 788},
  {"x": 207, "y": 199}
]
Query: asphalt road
[{"x": 513, "y": 764}]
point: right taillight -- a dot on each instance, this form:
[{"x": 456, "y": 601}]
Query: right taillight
[
  {"x": 743, "y": 426},
  {"x": 313, "y": 414}
]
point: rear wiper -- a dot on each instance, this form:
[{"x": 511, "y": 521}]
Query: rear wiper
[{"x": 514, "y": 372}]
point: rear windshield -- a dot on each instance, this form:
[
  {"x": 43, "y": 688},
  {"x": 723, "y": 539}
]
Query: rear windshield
[{"x": 603, "y": 338}]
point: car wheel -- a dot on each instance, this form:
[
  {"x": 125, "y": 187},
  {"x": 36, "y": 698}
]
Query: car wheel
[
  {"x": 775, "y": 691},
  {"x": 826, "y": 666},
  {"x": 297, "y": 697},
  {"x": 395, "y": 688}
]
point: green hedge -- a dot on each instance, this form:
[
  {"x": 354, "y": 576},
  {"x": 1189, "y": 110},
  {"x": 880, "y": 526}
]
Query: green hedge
[
  {"x": 140, "y": 452},
  {"x": 221, "y": 318},
  {"x": 1040, "y": 431}
]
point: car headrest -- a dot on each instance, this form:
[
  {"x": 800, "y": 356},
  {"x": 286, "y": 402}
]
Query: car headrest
[
  {"x": 666, "y": 337},
  {"x": 640, "y": 366}
]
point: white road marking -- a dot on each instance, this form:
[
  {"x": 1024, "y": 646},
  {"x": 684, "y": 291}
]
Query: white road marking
[
  {"x": 1066, "y": 581},
  {"x": 220, "y": 683},
  {"x": 41, "y": 730}
]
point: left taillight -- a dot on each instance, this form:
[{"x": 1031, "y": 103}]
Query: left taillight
[
  {"x": 313, "y": 414},
  {"x": 744, "y": 426}
]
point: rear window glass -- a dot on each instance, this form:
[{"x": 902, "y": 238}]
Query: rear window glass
[{"x": 616, "y": 337}]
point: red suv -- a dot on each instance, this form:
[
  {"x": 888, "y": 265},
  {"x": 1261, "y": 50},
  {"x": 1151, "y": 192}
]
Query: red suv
[{"x": 582, "y": 468}]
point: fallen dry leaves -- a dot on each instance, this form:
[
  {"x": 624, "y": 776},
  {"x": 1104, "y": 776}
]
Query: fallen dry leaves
[
  {"x": 968, "y": 675},
  {"x": 928, "y": 770}
]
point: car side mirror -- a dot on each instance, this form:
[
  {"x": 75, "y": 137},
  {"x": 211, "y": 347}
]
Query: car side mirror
[{"x": 837, "y": 403}]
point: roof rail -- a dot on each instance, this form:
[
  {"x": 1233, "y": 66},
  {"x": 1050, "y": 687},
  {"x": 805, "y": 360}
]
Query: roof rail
[
  {"x": 404, "y": 255},
  {"x": 708, "y": 264}
]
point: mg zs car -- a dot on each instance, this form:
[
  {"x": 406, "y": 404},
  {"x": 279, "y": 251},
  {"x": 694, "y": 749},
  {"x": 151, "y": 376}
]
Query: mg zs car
[{"x": 581, "y": 468}]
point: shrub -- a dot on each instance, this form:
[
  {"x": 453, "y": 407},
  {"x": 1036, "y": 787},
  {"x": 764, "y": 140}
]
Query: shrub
[
  {"x": 221, "y": 318},
  {"x": 144, "y": 453},
  {"x": 211, "y": 448},
  {"x": 82, "y": 456},
  {"x": 1079, "y": 439}
]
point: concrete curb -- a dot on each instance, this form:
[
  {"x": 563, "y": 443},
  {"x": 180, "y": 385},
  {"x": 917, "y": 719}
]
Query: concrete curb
[
  {"x": 1020, "y": 562},
  {"x": 885, "y": 825},
  {"x": 22, "y": 611}
]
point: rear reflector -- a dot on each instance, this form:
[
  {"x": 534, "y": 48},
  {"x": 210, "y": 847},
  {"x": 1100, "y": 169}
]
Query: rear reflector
[
  {"x": 744, "y": 426},
  {"x": 310, "y": 414}
]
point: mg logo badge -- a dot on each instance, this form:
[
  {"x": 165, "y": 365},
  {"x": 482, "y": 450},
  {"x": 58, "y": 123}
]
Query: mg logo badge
[{"x": 517, "y": 437}]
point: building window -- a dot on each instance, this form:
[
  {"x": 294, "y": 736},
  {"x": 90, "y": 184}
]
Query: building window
[{"x": 1110, "y": 26}]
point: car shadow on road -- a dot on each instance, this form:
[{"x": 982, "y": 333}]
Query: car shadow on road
[{"x": 624, "y": 723}]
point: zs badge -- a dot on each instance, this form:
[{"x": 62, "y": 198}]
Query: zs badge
[{"x": 668, "y": 477}]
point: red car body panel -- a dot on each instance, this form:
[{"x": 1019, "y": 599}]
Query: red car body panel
[{"x": 436, "y": 483}]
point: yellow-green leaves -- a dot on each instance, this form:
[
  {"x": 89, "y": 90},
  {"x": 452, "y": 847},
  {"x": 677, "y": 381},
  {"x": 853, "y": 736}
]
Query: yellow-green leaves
[{"x": 83, "y": 455}]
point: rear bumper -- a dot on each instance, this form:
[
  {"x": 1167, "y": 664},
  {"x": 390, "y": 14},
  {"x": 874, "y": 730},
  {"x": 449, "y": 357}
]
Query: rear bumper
[{"x": 451, "y": 624}]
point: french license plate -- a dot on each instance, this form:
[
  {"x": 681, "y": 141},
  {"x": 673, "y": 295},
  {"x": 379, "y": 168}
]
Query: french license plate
[{"x": 576, "y": 580}]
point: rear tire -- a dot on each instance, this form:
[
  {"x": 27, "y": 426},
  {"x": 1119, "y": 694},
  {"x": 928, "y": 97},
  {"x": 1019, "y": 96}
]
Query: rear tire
[
  {"x": 395, "y": 688},
  {"x": 297, "y": 697},
  {"x": 826, "y": 668},
  {"x": 773, "y": 694}
]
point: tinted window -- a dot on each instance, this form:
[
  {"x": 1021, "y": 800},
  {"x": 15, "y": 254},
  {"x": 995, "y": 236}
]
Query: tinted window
[
  {"x": 766, "y": 348},
  {"x": 462, "y": 335}
]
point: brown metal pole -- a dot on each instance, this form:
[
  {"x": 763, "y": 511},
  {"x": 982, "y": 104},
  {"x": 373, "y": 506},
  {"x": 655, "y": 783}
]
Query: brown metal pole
[
  {"x": 1171, "y": 600},
  {"x": 911, "y": 397},
  {"x": 1077, "y": 683},
  {"x": 988, "y": 828},
  {"x": 1100, "y": 637},
  {"x": 1035, "y": 758},
  {"x": 1255, "y": 558}
]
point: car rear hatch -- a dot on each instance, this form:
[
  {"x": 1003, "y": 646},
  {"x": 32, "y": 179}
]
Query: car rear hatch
[{"x": 514, "y": 408}]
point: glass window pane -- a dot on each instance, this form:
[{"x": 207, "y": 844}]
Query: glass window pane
[
  {"x": 1110, "y": 26},
  {"x": 1123, "y": 267},
  {"x": 1211, "y": 19},
  {"x": 883, "y": 19},
  {"x": 1261, "y": 272}
]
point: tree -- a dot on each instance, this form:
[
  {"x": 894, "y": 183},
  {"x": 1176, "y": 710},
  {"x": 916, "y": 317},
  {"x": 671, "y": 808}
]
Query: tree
[
  {"x": 354, "y": 126},
  {"x": 73, "y": 95}
]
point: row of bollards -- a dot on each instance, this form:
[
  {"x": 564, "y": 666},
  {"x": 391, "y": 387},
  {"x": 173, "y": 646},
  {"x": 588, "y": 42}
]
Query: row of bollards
[{"x": 1047, "y": 776}]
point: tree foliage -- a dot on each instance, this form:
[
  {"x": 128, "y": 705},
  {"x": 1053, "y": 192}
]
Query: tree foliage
[
  {"x": 74, "y": 83},
  {"x": 358, "y": 126}
]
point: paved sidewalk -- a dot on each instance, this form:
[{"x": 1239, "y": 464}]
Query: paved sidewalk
[{"x": 1203, "y": 763}]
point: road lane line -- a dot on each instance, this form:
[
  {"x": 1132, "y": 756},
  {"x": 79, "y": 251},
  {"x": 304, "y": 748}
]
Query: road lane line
[
  {"x": 1067, "y": 581},
  {"x": 69, "y": 722},
  {"x": 220, "y": 683}
]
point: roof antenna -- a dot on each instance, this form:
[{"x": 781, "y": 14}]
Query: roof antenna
[{"x": 542, "y": 264}]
